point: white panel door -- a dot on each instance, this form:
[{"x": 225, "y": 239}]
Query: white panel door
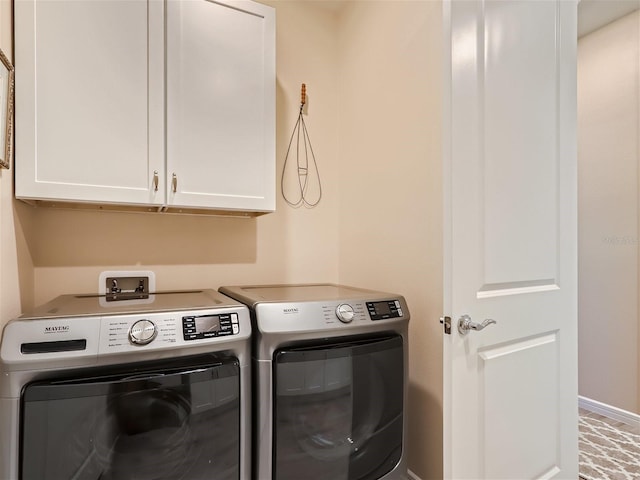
[
  {"x": 220, "y": 105},
  {"x": 510, "y": 403},
  {"x": 88, "y": 88}
]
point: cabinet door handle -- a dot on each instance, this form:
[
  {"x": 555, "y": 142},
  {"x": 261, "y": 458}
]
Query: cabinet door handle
[
  {"x": 155, "y": 180},
  {"x": 174, "y": 183}
]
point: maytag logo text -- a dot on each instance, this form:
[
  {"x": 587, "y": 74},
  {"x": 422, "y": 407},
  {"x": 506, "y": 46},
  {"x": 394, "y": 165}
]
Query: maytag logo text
[{"x": 57, "y": 329}]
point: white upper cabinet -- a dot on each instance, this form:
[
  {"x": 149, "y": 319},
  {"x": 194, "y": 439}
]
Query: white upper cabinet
[
  {"x": 220, "y": 146},
  {"x": 82, "y": 104},
  {"x": 106, "y": 115}
]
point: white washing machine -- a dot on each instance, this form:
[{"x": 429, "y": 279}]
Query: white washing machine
[
  {"x": 330, "y": 373},
  {"x": 153, "y": 388}
]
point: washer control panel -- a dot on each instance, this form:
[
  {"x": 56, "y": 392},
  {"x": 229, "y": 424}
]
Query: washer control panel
[
  {"x": 84, "y": 339},
  {"x": 196, "y": 327},
  {"x": 161, "y": 330}
]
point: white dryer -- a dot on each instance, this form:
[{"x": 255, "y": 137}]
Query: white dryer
[
  {"x": 330, "y": 370},
  {"x": 157, "y": 388}
]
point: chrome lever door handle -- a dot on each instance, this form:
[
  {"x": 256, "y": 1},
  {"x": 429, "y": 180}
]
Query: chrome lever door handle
[{"x": 465, "y": 324}]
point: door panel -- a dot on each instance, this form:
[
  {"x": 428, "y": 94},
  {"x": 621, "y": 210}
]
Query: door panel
[
  {"x": 514, "y": 419},
  {"x": 510, "y": 402},
  {"x": 519, "y": 156}
]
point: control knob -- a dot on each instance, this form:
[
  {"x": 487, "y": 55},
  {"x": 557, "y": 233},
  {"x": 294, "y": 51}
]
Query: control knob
[
  {"x": 345, "y": 312},
  {"x": 142, "y": 332}
]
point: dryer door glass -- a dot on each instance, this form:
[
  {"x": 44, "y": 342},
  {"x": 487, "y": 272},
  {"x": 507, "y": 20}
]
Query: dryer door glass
[
  {"x": 338, "y": 410},
  {"x": 178, "y": 420}
]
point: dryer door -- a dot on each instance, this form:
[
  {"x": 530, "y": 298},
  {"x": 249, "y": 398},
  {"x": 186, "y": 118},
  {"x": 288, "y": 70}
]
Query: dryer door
[
  {"x": 338, "y": 410},
  {"x": 174, "y": 420}
]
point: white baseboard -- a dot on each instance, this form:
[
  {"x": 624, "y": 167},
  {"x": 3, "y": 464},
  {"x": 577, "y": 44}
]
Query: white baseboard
[
  {"x": 608, "y": 411},
  {"x": 412, "y": 476}
]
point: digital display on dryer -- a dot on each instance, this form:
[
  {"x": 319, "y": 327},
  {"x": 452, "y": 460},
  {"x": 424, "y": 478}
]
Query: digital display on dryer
[
  {"x": 384, "y": 310},
  {"x": 208, "y": 326}
]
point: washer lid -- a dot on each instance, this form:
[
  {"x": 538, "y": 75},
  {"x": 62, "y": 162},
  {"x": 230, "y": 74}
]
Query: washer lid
[
  {"x": 90, "y": 305},
  {"x": 254, "y": 294}
]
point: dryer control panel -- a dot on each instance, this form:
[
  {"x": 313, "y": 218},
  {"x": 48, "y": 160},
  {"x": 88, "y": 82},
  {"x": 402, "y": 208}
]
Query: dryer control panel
[
  {"x": 384, "y": 310},
  {"x": 342, "y": 315}
]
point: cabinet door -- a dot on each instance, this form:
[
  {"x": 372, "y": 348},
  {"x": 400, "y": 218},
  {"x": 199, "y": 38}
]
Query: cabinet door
[
  {"x": 89, "y": 100},
  {"x": 220, "y": 105}
]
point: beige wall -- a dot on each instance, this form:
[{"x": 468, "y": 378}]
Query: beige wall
[
  {"x": 71, "y": 248},
  {"x": 608, "y": 139},
  {"x": 373, "y": 75},
  {"x": 391, "y": 186},
  {"x": 16, "y": 268}
]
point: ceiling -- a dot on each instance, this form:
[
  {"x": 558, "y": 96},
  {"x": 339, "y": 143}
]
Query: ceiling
[{"x": 593, "y": 14}]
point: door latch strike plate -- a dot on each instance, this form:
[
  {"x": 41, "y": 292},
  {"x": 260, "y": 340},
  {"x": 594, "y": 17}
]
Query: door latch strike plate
[{"x": 446, "y": 321}]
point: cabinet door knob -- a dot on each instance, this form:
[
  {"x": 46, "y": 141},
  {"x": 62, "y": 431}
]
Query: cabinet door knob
[
  {"x": 174, "y": 183},
  {"x": 155, "y": 180}
]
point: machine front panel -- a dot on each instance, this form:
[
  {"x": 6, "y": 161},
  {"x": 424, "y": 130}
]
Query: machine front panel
[
  {"x": 176, "y": 420},
  {"x": 338, "y": 410}
]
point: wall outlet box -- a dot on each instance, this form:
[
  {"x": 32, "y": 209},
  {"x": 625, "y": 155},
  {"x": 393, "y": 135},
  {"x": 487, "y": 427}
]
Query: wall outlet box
[{"x": 118, "y": 285}]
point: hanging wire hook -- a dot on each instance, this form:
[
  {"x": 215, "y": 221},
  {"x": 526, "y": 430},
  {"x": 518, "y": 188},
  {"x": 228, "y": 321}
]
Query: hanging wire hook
[{"x": 303, "y": 166}]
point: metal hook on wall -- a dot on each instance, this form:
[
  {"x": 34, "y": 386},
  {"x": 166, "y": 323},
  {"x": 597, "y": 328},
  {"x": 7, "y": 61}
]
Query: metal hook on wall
[{"x": 302, "y": 180}]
